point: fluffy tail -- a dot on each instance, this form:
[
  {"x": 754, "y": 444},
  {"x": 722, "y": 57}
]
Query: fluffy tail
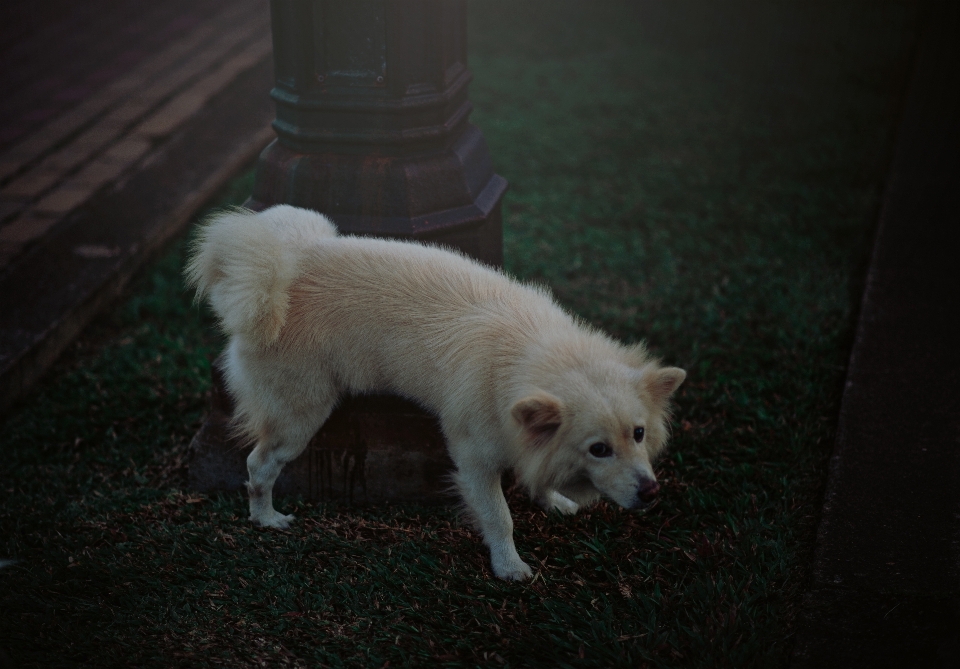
[{"x": 245, "y": 262}]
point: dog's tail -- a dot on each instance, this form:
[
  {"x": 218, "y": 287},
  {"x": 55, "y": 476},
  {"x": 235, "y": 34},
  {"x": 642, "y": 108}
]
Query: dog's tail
[{"x": 245, "y": 263}]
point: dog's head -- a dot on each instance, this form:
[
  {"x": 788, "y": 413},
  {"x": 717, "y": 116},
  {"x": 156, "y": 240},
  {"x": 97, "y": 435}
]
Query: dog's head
[{"x": 597, "y": 429}]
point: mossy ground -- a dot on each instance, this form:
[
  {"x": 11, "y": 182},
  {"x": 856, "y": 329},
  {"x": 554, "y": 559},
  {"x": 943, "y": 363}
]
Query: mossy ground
[{"x": 700, "y": 175}]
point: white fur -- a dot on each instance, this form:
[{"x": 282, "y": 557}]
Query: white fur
[{"x": 515, "y": 381}]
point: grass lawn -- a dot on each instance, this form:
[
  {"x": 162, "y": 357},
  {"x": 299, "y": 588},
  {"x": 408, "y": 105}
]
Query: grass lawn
[{"x": 701, "y": 175}]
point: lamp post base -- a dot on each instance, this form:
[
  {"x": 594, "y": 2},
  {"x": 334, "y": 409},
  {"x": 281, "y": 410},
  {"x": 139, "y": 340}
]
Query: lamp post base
[
  {"x": 448, "y": 196},
  {"x": 372, "y": 449}
]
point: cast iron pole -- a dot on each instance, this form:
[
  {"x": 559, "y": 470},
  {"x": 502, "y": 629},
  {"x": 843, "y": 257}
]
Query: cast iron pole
[{"x": 373, "y": 123}]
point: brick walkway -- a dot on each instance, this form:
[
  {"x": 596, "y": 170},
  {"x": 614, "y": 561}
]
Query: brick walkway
[
  {"x": 118, "y": 80},
  {"x": 119, "y": 120}
]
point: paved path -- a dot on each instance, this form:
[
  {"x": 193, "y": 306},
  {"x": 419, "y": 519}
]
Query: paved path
[
  {"x": 58, "y": 53},
  {"x": 128, "y": 98},
  {"x": 886, "y": 578},
  {"x": 100, "y": 94}
]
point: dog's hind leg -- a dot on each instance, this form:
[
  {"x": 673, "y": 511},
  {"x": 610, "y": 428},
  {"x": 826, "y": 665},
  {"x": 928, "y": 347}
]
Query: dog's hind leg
[
  {"x": 265, "y": 462},
  {"x": 483, "y": 495}
]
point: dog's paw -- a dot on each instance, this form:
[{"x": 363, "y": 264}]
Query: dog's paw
[
  {"x": 557, "y": 502},
  {"x": 521, "y": 572},
  {"x": 275, "y": 520},
  {"x": 512, "y": 570}
]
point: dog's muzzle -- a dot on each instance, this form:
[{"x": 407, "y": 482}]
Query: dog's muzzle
[{"x": 646, "y": 493}]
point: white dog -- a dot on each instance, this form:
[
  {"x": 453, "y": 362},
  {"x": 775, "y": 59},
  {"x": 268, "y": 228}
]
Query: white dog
[{"x": 515, "y": 381}]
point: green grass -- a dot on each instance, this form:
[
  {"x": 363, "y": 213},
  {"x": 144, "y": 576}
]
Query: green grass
[{"x": 705, "y": 179}]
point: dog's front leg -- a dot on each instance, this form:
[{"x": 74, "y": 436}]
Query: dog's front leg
[
  {"x": 483, "y": 495},
  {"x": 554, "y": 501}
]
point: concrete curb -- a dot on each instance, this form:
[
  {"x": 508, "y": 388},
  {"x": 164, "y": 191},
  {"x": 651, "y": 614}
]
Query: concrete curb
[{"x": 885, "y": 587}]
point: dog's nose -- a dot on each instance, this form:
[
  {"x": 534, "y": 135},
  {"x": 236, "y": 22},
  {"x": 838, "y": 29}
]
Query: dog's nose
[{"x": 648, "y": 491}]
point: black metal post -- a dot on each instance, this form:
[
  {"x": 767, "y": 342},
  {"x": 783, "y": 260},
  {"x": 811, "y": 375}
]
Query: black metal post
[{"x": 372, "y": 123}]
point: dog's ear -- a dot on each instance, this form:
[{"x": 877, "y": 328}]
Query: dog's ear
[
  {"x": 539, "y": 415},
  {"x": 662, "y": 382}
]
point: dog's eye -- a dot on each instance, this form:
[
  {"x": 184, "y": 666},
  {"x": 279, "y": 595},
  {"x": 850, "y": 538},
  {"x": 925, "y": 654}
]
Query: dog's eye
[
  {"x": 600, "y": 450},
  {"x": 638, "y": 434}
]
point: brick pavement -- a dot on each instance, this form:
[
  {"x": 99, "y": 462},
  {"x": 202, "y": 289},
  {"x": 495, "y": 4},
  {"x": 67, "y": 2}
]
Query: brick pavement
[
  {"x": 56, "y": 53},
  {"x": 119, "y": 119},
  {"x": 94, "y": 135}
]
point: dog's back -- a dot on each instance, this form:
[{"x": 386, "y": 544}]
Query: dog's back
[
  {"x": 425, "y": 322},
  {"x": 382, "y": 315}
]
